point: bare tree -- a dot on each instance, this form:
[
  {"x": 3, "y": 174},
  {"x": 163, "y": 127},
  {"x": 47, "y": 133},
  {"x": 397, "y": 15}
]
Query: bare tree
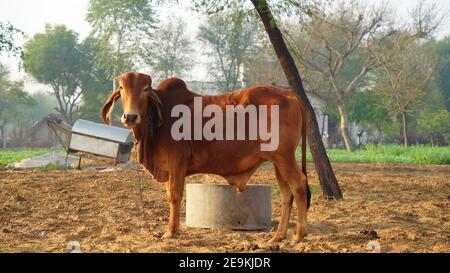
[
  {"x": 405, "y": 77},
  {"x": 407, "y": 63},
  {"x": 426, "y": 19},
  {"x": 335, "y": 47},
  {"x": 263, "y": 68},
  {"x": 169, "y": 52}
]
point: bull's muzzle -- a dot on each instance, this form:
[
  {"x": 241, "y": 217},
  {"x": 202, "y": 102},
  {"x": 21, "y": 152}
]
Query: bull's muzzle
[{"x": 130, "y": 119}]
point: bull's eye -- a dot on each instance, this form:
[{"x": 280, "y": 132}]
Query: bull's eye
[{"x": 146, "y": 89}]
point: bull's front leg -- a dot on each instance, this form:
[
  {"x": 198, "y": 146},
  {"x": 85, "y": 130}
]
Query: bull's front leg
[{"x": 175, "y": 188}]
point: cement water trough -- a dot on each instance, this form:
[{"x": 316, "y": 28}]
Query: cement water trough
[{"x": 220, "y": 206}]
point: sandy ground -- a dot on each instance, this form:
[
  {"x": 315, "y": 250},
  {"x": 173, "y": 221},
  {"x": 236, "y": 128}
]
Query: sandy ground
[{"x": 406, "y": 206}]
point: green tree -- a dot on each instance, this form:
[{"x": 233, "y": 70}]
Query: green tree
[
  {"x": 231, "y": 38},
  {"x": 13, "y": 99},
  {"x": 443, "y": 69},
  {"x": 96, "y": 83},
  {"x": 365, "y": 108},
  {"x": 121, "y": 27},
  {"x": 435, "y": 125},
  {"x": 169, "y": 53},
  {"x": 54, "y": 58}
]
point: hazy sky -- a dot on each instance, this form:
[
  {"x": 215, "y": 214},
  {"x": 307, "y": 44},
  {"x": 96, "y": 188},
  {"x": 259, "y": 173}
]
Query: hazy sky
[{"x": 31, "y": 16}]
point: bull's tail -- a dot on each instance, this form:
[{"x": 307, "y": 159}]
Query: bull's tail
[{"x": 304, "y": 122}]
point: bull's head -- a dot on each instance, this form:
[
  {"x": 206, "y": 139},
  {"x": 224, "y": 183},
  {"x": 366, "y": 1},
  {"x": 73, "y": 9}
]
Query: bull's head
[{"x": 138, "y": 98}]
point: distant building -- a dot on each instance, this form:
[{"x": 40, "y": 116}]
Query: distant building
[{"x": 43, "y": 136}]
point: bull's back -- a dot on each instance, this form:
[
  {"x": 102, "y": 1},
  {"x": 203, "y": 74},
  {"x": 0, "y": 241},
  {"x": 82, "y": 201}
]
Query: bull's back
[{"x": 234, "y": 156}]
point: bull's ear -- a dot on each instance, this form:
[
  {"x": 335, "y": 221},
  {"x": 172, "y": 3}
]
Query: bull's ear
[
  {"x": 109, "y": 106},
  {"x": 158, "y": 106}
]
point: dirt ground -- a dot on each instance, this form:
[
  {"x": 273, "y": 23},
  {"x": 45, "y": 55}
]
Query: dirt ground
[{"x": 406, "y": 206}]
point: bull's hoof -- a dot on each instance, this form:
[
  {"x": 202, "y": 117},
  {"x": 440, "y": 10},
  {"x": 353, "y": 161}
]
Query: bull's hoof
[
  {"x": 169, "y": 235},
  {"x": 299, "y": 237},
  {"x": 277, "y": 238}
]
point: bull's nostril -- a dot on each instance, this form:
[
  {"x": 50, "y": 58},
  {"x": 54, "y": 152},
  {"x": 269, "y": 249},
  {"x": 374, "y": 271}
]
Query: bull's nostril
[{"x": 130, "y": 118}]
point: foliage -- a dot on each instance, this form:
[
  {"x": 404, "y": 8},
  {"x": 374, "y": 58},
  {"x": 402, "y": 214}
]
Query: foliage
[
  {"x": 333, "y": 48},
  {"x": 121, "y": 27},
  {"x": 96, "y": 85},
  {"x": 169, "y": 52},
  {"x": 7, "y": 35},
  {"x": 230, "y": 38},
  {"x": 54, "y": 58},
  {"x": 13, "y": 99},
  {"x": 407, "y": 70},
  {"x": 365, "y": 109},
  {"x": 435, "y": 124},
  {"x": 443, "y": 69}
]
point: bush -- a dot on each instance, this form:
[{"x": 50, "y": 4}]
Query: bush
[{"x": 435, "y": 125}]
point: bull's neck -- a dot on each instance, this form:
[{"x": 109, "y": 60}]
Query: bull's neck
[{"x": 145, "y": 143}]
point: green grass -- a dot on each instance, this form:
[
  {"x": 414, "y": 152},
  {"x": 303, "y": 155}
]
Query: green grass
[
  {"x": 315, "y": 189},
  {"x": 52, "y": 167},
  {"x": 418, "y": 154},
  {"x": 11, "y": 156}
]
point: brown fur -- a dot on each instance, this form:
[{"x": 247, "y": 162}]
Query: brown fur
[{"x": 236, "y": 160}]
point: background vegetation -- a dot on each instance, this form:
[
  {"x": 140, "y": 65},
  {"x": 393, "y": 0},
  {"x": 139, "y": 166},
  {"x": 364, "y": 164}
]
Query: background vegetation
[{"x": 387, "y": 77}]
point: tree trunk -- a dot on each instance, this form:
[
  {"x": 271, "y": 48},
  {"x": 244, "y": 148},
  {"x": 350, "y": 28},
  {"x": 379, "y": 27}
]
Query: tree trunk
[
  {"x": 4, "y": 135},
  {"x": 323, "y": 120},
  {"x": 328, "y": 182},
  {"x": 380, "y": 131},
  {"x": 405, "y": 129},
  {"x": 114, "y": 80},
  {"x": 343, "y": 125}
]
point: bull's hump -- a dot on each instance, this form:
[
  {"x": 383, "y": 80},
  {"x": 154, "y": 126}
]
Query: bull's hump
[{"x": 172, "y": 83}]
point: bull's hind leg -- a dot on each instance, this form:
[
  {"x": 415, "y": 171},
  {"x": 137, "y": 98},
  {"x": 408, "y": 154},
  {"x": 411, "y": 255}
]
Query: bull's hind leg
[
  {"x": 286, "y": 207},
  {"x": 298, "y": 184},
  {"x": 175, "y": 188}
]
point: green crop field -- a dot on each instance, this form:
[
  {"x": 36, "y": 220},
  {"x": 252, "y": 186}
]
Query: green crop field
[
  {"x": 11, "y": 156},
  {"x": 390, "y": 154},
  {"x": 371, "y": 154}
]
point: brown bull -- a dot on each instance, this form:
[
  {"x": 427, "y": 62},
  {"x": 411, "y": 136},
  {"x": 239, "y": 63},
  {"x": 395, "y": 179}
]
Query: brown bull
[{"x": 147, "y": 112}]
